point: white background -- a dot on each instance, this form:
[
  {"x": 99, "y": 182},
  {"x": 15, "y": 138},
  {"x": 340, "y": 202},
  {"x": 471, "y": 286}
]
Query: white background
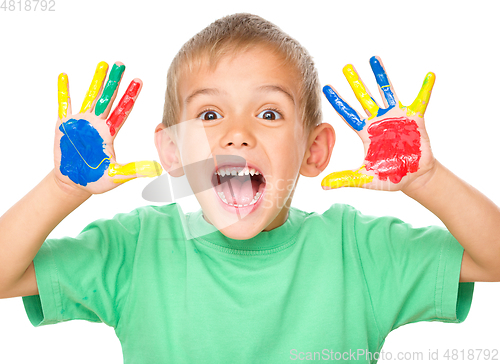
[{"x": 457, "y": 40}]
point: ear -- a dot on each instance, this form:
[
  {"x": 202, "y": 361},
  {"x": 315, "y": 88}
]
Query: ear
[
  {"x": 319, "y": 150},
  {"x": 168, "y": 151}
]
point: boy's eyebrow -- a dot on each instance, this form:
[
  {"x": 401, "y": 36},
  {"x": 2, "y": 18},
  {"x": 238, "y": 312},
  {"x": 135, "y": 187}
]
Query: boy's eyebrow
[
  {"x": 203, "y": 91},
  {"x": 276, "y": 88},
  {"x": 215, "y": 92}
]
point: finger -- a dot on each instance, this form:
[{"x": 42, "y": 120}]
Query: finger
[
  {"x": 110, "y": 90},
  {"x": 362, "y": 94},
  {"x": 346, "y": 112},
  {"x": 124, "y": 107},
  {"x": 420, "y": 104},
  {"x": 347, "y": 178},
  {"x": 134, "y": 170},
  {"x": 385, "y": 87},
  {"x": 95, "y": 86},
  {"x": 63, "y": 98}
]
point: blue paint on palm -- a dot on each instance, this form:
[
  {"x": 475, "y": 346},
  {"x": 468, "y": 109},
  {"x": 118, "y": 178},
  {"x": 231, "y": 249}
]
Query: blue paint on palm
[
  {"x": 82, "y": 152},
  {"x": 381, "y": 112},
  {"x": 348, "y": 113}
]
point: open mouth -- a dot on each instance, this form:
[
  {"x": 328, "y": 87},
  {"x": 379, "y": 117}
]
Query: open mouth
[{"x": 238, "y": 186}]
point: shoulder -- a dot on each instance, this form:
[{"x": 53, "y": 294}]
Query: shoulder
[
  {"x": 150, "y": 214},
  {"x": 334, "y": 223},
  {"x": 166, "y": 222},
  {"x": 336, "y": 214},
  {"x": 169, "y": 211},
  {"x": 138, "y": 220},
  {"x": 355, "y": 226}
]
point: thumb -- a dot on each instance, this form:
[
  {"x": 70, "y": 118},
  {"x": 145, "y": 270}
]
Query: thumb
[
  {"x": 123, "y": 173},
  {"x": 348, "y": 178}
]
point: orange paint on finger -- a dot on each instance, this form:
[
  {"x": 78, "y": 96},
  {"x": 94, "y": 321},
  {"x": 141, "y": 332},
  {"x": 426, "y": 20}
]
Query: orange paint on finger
[{"x": 124, "y": 107}]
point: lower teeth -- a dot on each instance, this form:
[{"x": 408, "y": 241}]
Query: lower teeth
[{"x": 254, "y": 200}]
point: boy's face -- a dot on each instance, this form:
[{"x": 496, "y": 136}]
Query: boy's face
[{"x": 240, "y": 115}]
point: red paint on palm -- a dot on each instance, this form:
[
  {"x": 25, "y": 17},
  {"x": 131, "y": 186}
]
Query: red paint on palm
[
  {"x": 121, "y": 112},
  {"x": 394, "y": 148}
]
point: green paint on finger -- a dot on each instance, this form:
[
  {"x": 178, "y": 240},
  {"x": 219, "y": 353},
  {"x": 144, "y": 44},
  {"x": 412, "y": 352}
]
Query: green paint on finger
[{"x": 114, "y": 78}]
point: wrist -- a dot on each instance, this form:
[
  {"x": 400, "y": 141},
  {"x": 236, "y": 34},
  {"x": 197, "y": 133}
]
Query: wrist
[
  {"x": 421, "y": 184},
  {"x": 67, "y": 191}
]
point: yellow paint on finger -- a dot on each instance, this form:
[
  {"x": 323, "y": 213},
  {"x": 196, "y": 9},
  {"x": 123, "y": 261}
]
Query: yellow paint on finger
[
  {"x": 360, "y": 91},
  {"x": 346, "y": 179},
  {"x": 136, "y": 169},
  {"x": 420, "y": 104},
  {"x": 123, "y": 180},
  {"x": 62, "y": 95},
  {"x": 95, "y": 86}
]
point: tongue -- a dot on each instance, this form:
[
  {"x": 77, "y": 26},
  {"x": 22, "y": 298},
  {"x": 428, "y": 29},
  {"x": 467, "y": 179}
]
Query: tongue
[{"x": 240, "y": 190}]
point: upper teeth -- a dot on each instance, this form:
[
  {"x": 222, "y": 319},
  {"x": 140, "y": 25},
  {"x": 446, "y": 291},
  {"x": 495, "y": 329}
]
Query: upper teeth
[{"x": 236, "y": 171}]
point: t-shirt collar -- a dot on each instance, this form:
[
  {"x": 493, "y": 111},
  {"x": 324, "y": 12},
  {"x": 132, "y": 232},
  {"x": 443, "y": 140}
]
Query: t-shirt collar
[{"x": 205, "y": 232}]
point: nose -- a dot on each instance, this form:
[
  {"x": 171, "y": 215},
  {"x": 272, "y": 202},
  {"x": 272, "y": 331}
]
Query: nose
[{"x": 239, "y": 133}]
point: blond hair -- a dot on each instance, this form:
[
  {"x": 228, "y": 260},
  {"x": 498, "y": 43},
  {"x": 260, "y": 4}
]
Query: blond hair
[{"x": 236, "y": 33}]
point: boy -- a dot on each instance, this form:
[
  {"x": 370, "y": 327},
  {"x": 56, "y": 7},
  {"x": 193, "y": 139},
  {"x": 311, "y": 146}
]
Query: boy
[{"x": 262, "y": 283}]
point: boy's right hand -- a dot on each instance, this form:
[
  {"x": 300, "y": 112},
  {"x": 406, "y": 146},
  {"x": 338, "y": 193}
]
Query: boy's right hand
[{"x": 84, "y": 157}]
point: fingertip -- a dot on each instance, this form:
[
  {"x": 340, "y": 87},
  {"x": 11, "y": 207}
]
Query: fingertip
[
  {"x": 117, "y": 71},
  {"x": 328, "y": 89},
  {"x": 133, "y": 89},
  {"x": 350, "y": 74},
  {"x": 348, "y": 70},
  {"x": 376, "y": 64},
  {"x": 102, "y": 65},
  {"x": 136, "y": 85},
  {"x": 331, "y": 94},
  {"x": 374, "y": 60},
  {"x": 62, "y": 80},
  {"x": 429, "y": 80},
  {"x": 158, "y": 168}
]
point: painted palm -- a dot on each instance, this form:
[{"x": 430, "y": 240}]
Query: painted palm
[
  {"x": 397, "y": 148},
  {"x": 83, "y": 148}
]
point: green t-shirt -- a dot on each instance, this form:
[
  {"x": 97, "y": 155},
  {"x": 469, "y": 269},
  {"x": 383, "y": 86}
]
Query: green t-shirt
[{"x": 178, "y": 291}]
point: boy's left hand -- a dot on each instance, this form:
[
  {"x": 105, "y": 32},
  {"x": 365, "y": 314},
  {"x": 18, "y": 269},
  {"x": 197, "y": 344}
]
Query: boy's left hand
[{"x": 397, "y": 147}]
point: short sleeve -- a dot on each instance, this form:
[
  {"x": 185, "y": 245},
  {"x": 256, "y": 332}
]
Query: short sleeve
[
  {"x": 412, "y": 274},
  {"x": 87, "y": 277}
]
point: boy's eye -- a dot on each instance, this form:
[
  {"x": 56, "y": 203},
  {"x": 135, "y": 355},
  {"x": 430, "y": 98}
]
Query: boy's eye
[
  {"x": 210, "y": 115},
  {"x": 269, "y": 115}
]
